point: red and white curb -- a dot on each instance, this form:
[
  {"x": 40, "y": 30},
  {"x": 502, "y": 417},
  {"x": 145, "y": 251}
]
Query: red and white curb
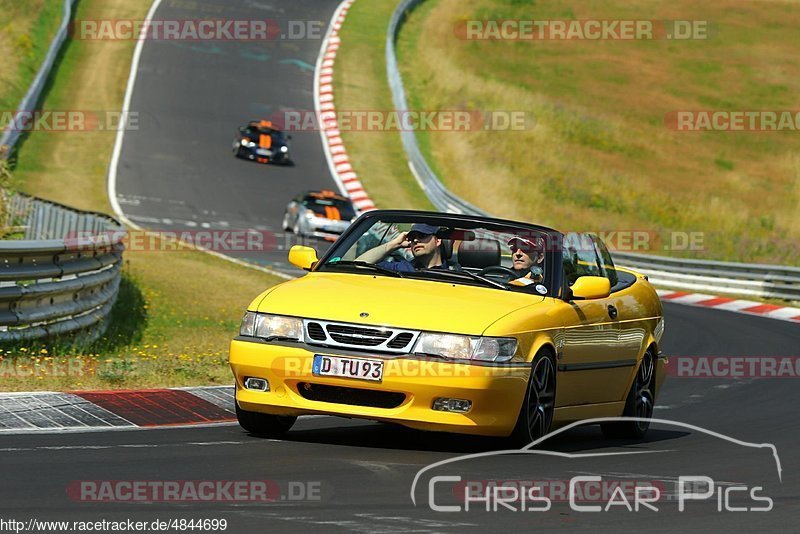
[
  {"x": 335, "y": 152},
  {"x": 115, "y": 410},
  {"x": 749, "y": 307}
]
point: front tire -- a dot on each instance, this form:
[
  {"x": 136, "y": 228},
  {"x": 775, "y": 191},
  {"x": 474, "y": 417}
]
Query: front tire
[
  {"x": 263, "y": 424},
  {"x": 536, "y": 414},
  {"x": 639, "y": 404}
]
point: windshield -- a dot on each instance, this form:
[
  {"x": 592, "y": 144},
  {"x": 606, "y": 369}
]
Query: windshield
[
  {"x": 278, "y": 137},
  {"x": 486, "y": 254},
  {"x": 331, "y": 208}
]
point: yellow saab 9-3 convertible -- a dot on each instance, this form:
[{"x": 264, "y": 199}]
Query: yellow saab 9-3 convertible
[{"x": 453, "y": 323}]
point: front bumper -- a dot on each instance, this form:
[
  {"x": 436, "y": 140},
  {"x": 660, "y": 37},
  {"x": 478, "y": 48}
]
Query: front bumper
[
  {"x": 496, "y": 392},
  {"x": 274, "y": 156},
  {"x": 323, "y": 228}
]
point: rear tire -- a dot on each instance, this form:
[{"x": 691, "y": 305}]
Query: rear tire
[
  {"x": 262, "y": 424},
  {"x": 536, "y": 414},
  {"x": 640, "y": 403}
]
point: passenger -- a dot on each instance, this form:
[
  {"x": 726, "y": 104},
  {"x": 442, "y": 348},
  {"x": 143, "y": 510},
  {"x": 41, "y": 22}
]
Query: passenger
[
  {"x": 425, "y": 247},
  {"x": 527, "y": 259}
]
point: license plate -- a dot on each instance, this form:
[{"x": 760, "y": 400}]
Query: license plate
[
  {"x": 359, "y": 368},
  {"x": 263, "y": 152}
]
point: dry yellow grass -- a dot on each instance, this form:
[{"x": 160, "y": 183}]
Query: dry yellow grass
[{"x": 600, "y": 157}]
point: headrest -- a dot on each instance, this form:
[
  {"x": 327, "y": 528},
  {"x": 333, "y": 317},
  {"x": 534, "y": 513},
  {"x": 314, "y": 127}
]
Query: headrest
[
  {"x": 447, "y": 249},
  {"x": 479, "y": 254}
]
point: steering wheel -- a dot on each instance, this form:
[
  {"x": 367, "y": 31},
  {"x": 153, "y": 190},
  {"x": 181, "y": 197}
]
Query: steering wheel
[{"x": 505, "y": 272}]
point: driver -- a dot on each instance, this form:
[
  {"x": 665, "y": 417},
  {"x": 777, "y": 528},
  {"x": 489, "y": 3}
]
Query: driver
[
  {"x": 425, "y": 247},
  {"x": 527, "y": 259}
]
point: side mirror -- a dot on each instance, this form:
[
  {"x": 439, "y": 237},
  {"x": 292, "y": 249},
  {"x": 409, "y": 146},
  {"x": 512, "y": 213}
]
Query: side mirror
[
  {"x": 302, "y": 257},
  {"x": 591, "y": 287},
  {"x": 289, "y": 137}
]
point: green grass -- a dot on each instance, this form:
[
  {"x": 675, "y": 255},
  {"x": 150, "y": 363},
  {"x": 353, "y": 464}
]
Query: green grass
[
  {"x": 26, "y": 29},
  {"x": 360, "y": 84},
  {"x": 600, "y": 156},
  {"x": 177, "y": 309}
]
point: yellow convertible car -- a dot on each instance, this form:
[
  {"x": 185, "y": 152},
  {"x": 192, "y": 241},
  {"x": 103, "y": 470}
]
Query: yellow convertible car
[{"x": 453, "y": 323}]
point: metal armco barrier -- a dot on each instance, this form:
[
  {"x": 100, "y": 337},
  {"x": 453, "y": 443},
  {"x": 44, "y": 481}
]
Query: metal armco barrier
[
  {"x": 767, "y": 281},
  {"x": 9, "y": 137},
  {"x": 63, "y": 277}
]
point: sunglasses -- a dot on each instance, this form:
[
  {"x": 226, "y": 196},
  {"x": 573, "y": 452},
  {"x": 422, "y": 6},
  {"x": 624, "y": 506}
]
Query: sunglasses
[{"x": 418, "y": 236}]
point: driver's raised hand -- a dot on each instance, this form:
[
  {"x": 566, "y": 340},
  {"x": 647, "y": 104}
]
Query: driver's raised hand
[{"x": 400, "y": 241}]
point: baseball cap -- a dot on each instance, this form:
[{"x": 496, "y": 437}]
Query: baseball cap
[
  {"x": 422, "y": 228},
  {"x": 524, "y": 244}
]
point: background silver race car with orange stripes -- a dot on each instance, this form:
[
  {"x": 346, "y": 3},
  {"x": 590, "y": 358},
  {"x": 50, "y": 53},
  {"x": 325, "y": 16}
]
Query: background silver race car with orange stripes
[{"x": 324, "y": 214}]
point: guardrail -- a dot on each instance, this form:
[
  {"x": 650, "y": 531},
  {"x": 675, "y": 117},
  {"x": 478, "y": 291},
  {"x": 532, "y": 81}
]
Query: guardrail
[
  {"x": 10, "y": 136},
  {"x": 63, "y": 277},
  {"x": 767, "y": 281}
]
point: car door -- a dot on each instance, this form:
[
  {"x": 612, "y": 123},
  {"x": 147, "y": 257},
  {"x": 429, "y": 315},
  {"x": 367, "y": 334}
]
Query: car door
[
  {"x": 632, "y": 317},
  {"x": 591, "y": 368}
]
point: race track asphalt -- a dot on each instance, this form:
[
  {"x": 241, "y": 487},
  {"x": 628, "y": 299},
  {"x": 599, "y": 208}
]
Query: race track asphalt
[
  {"x": 177, "y": 172},
  {"x": 359, "y": 474}
]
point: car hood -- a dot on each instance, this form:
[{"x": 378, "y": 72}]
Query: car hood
[{"x": 388, "y": 301}]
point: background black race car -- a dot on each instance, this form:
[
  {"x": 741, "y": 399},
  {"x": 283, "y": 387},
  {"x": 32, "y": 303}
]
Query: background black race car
[{"x": 261, "y": 141}]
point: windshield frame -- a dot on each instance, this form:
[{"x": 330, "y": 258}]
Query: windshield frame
[{"x": 553, "y": 238}]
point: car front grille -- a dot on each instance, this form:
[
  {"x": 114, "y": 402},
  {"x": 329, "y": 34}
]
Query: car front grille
[
  {"x": 316, "y": 332},
  {"x": 400, "y": 340},
  {"x": 353, "y": 336},
  {"x": 350, "y": 396},
  {"x": 350, "y": 335}
]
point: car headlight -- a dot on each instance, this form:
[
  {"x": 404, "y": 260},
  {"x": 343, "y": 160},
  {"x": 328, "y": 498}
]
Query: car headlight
[
  {"x": 248, "y": 325},
  {"x": 268, "y": 326},
  {"x": 248, "y": 143},
  {"x": 284, "y": 149},
  {"x": 457, "y": 347}
]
